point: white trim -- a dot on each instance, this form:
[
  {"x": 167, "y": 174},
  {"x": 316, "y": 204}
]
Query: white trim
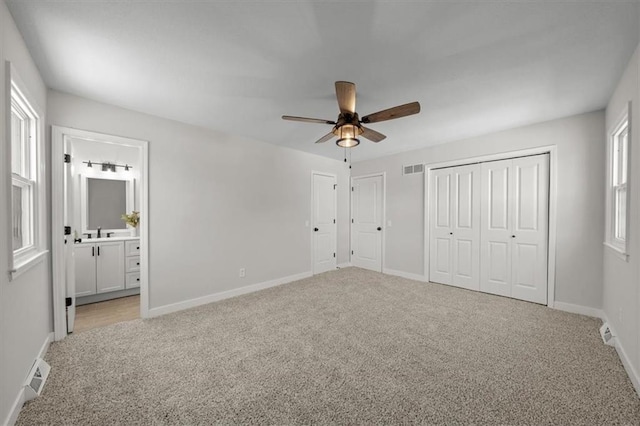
[
  {"x": 344, "y": 265},
  {"x": 19, "y": 264},
  {"x": 617, "y": 251},
  {"x": 384, "y": 214},
  {"x": 402, "y": 274},
  {"x": 216, "y": 297},
  {"x": 15, "y": 409},
  {"x": 624, "y": 119},
  {"x": 553, "y": 209},
  {"x": 335, "y": 215},
  {"x": 58, "y": 136},
  {"x": 25, "y": 264},
  {"x": 579, "y": 309},
  {"x": 624, "y": 358},
  {"x": 628, "y": 366}
]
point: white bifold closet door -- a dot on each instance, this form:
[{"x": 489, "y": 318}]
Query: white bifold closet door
[
  {"x": 455, "y": 226},
  {"x": 514, "y": 234}
]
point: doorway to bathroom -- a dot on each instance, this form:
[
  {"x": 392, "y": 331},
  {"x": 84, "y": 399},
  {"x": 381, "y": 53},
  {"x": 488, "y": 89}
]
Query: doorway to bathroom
[{"x": 99, "y": 199}]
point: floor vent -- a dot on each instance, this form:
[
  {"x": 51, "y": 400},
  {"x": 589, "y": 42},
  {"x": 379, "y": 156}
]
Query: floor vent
[
  {"x": 413, "y": 169},
  {"x": 36, "y": 378},
  {"x": 607, "y": 334}
]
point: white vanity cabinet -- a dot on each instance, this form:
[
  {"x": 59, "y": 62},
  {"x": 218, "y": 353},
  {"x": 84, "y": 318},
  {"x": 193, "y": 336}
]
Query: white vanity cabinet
[{"x": 100, "y": 266}]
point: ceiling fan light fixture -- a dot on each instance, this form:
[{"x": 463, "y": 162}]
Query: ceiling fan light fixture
[
  {"x": 347, "y": 136},
  {"x": 348, "y": 142}
]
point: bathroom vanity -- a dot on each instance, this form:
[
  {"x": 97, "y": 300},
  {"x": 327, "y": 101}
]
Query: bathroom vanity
[{"x": 106, "y": 268}]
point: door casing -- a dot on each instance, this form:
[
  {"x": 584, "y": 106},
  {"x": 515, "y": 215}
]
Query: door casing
[{"x": 59, "y": 135}]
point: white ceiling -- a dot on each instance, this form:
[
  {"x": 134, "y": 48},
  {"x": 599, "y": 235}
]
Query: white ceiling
[{"x": 237, "y": 66}]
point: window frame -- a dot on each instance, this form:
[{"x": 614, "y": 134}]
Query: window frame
[
  {"x": 618, "y": 172},
  {"x": 32, "y": 175}
]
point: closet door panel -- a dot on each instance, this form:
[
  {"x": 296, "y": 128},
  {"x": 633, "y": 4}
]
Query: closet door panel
[
  {"x": 440, "y": 249},
  {"x": 466, "y": 226},
  {"x": 496, "y": 218},
  {"x": 530, "y": 228}
]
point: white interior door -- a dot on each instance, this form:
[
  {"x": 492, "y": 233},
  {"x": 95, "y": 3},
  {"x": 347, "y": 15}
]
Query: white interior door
[
  {"x": 530, "y": 228},
  {"x": 465, "y": 243},
  {"x": 367, "y": 222},
  {"x": 69, "y": 261},
  {"x": 514, "y": 234},
  {"x": 324, "y": 223},
  {"x": 441, "y": 233}
]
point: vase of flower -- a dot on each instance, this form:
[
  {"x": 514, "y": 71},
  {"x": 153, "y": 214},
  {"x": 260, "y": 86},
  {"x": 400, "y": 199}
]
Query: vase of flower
[{"x": 132, "y": 220}]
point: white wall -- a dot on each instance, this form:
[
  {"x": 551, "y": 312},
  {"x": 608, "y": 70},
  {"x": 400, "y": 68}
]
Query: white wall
[
  {"x": 621, "y": 292},
  {"x": 25, "y": 302},
  {"x": 580, "y": 214},
  {"x": 217, "y": 202}
]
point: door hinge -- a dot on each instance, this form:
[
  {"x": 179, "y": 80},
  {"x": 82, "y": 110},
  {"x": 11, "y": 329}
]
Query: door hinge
[
  {"x": 68, "y": 302},
  {"x": 351, "y": 251},
  {"x": 67, "y": 158},
  {"x": 334, "y": 255},
  {"x": 352, "y": 189},
  {"x": 67, "y": 230},
  {"x": 334, "y": 221},
  {"x": 335, "y": 185},
  {"x": 351, "y": 220}
]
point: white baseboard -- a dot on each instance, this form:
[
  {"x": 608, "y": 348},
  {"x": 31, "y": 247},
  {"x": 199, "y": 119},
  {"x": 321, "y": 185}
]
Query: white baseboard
[
  {"x": 12, "y": 417},
  {"x": 624, "y": 358},
  {"x": 631, "y": 372},
  {"x": 578, "y": 309},
  {"x": 192, "y": 303},
  {"x": 344, "y": 265},
  {"x": 403, "y": 274}
]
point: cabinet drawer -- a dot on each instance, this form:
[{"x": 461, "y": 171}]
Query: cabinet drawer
[
  {"x": 132, "y": 248},
  {"x": 132, "y": 280},
  {"x": 132, "y": 264}
]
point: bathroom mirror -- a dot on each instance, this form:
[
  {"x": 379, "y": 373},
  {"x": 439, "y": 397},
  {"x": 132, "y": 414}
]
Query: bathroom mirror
[{"x": 103, "y": 201}]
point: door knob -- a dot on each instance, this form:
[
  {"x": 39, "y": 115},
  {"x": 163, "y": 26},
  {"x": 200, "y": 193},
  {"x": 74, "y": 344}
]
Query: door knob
[
  {"x": 379, "y": 228},
  {"x": 513, "y": 236},
  {"x": 450, "y": 233},
  {"x": 315, "y": 229}
]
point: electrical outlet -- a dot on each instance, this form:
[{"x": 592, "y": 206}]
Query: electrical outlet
[{"x": 242, "y": 273}]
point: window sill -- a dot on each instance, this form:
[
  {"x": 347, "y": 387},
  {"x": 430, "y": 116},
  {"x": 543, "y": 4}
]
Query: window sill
[
  {"x": 23, "y": 265},
  {"x": 617, "y": 251}
]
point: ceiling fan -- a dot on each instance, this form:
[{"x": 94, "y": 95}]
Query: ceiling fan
[{"x": 349, "y": 126}]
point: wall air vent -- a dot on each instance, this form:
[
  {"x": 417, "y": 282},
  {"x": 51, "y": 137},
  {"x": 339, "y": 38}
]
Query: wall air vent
[{"x": 413, "y": 169}]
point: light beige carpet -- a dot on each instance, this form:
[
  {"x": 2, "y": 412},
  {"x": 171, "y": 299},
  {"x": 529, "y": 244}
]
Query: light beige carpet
[{"x": 349, "y": 346}]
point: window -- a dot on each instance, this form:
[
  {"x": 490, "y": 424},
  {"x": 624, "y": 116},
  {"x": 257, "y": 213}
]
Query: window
[
  {"x": 617, "y": 194},
  {"x": 26, "y": 181}
]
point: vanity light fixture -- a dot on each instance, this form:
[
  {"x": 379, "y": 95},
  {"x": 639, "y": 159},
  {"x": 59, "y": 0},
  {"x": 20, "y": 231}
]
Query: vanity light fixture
[{"x": 108, "y": 166}]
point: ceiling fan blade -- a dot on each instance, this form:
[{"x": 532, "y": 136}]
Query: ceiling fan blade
[
  {"x": 372, "y": 135},
  {"x": 325, "y": 137},
  {"x": 346, "y": 94},
  {"x": 392, "y": 113},
  {"x": 307, "y": 120}
]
